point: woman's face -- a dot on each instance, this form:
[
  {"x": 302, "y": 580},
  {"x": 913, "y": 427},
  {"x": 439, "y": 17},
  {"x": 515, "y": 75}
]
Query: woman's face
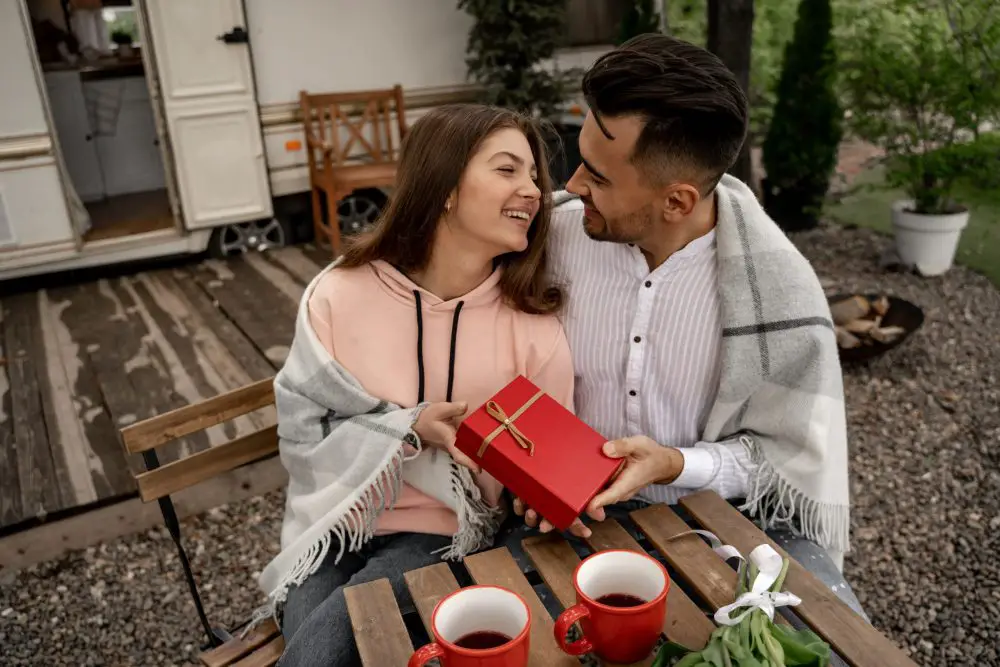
[{"x": 497, "y": 198}]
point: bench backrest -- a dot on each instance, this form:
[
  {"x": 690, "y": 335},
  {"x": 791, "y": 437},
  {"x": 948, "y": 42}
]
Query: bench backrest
[
  {"x": 200, "y": 466},
  {"x": 355, "y": 125}
]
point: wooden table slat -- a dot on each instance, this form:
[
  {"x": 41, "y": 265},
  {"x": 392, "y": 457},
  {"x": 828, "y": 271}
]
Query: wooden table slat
[
  {"x": 860, "y": 644},
  {"x": 379, "y": 631},
  {"x": 266, "y": 656},
  {"x": 236, "y": 648},
  {"x": 497, "y": 567},
  {"x": 428, "y": 586},
  {"x": 686, "y": 623},
  {"x": 555, "y": 561}
]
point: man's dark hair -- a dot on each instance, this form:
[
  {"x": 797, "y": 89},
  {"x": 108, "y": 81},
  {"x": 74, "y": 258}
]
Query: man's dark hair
[{"x": 694, "y": 110}]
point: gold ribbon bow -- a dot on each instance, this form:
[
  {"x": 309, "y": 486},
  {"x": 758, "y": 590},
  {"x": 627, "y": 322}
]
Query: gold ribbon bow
[{"x": 507, "y": 424}]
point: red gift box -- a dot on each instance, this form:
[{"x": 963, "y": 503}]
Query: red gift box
[{"x": 538, "y": 450}]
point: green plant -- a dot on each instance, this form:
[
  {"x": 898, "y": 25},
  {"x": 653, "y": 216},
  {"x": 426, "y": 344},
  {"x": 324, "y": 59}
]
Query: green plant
[
  {"x": 121, "y": 37},
  {"x": 755, "y": 641},
  {"x": 800, "y": 149},
  {"x": 507, "y": 47},
  {"x": 640, "y": 17},
  {"x": 918, "y": 89}
]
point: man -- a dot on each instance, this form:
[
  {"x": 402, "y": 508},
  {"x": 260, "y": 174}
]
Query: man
[{"x": 701, "y": 337}]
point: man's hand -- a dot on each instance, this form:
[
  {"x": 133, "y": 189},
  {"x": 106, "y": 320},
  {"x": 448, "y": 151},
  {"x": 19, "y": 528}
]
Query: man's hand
[{"x": 646, "y": 462}]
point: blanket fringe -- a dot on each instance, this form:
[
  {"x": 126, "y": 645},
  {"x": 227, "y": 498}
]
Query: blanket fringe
[
  {"x": 478, "y": 522},
  {"x": 352, "y": 531},
  {"x": 777, "y": 503}
]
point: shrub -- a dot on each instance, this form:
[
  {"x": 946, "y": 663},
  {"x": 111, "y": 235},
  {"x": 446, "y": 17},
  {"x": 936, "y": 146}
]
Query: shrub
[
  {"x": 641, "y": 17},
  {"x": 506, "y": 49},
  {"x": 800, "y": 149}
]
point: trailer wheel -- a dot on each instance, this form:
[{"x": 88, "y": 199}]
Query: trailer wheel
[
  {"x": 359, "y": 210},
  {"x": 258, "y": 235}
]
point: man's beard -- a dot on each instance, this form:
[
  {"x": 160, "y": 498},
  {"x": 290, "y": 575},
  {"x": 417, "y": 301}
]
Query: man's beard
[{"x": 628, "y": 228}]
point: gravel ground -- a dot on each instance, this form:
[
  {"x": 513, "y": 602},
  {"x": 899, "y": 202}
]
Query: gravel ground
[{"x": 924, "y": 427}]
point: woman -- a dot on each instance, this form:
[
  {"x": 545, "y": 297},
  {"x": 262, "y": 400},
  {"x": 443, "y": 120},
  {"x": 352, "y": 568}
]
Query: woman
[{"x": 420, "y": 321}]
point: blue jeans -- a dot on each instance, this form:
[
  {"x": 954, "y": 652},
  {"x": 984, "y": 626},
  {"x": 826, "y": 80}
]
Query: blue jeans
[
  {"x": 807, "y": 553},
  {"x": 315, "y": 623}
]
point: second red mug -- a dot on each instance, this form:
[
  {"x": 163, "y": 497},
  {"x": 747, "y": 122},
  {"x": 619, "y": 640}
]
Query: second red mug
[
  {"x": 478, "y": 626},
  {"x": 621, "y": 605}
]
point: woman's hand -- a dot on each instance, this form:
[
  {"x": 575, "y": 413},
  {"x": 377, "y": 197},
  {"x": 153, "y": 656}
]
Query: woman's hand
[{"x": 437, "y": 425}]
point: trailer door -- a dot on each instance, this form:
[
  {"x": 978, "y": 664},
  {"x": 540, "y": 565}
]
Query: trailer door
[{"x": 207, "y": 89}]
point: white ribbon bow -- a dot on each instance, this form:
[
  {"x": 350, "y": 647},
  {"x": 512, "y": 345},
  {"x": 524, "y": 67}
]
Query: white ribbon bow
[{"x": 768, "y": 563}]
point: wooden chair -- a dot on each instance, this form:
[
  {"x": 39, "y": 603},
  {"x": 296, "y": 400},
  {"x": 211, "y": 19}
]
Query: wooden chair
[
  {"x": 263, "y": 646},
  {"x": 343, "y": 157}
]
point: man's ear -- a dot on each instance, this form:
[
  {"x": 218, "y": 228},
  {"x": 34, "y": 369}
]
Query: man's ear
[{"x": 679, "y": 200}]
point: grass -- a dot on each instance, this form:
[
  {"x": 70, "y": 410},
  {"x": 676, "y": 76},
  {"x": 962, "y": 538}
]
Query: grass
[{"x": 867, "y": 205}]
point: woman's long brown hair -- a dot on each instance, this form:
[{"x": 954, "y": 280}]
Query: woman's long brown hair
[{"x": 433, "y": 157}]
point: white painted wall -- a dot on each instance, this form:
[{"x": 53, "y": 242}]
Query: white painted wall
[
  {"x": 338, "y": 45},
  {"x": 21, "y": 111}
]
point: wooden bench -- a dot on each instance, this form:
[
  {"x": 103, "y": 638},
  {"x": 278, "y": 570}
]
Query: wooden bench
[
  {"x": 263, "y": 646},
  {"x": 703, "y": 582},
  {"x": 346, "y": 155}
]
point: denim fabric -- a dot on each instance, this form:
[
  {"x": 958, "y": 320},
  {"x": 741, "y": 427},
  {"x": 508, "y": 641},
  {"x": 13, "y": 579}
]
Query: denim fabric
[{"x": 315, "y": 622}]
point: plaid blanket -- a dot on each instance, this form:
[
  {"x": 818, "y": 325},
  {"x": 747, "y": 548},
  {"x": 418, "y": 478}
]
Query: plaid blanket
[{"x": 344, "y": 452}]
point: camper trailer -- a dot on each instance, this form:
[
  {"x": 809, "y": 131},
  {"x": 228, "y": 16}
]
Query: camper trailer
[{"x": 133, "y": 129}]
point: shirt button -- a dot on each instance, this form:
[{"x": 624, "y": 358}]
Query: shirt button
[
  {"x": 649, "y": 284},
  {"x": 631, "y": 392},
  {"x": 638, "y": 339}
]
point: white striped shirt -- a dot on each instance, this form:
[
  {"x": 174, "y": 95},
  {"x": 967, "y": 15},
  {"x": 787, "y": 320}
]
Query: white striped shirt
[{"x": 646, "y": 348}]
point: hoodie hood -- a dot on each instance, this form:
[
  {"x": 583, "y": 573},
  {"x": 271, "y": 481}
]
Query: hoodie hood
[
  {"x": 407, "y": 291},
  {"x": 402, "y": 288}
]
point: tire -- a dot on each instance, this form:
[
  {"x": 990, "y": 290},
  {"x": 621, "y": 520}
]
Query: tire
[
  {"x": 258, "y": 235},
  {"x": 360, "y": 209}
]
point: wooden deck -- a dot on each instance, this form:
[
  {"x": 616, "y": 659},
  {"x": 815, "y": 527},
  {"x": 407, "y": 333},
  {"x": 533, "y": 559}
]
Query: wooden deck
[{"x": 83, "y": 360}]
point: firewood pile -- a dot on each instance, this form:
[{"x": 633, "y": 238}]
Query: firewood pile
[{"x": 858, "y": 322}]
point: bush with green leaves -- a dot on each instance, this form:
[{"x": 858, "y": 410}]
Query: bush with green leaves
[
  {"x": 923, "y": 78},
  {"x": 507, "y": 46},
  {"x": 800, "y": 150}
]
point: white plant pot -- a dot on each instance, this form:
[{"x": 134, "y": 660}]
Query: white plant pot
[{"x": 927, "y": 242}]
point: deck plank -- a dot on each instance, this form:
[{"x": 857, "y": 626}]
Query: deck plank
[
  {"x": 37, "y": 480},
  {"x": 200, "y": 364},
  {"x": 262, "y": 312},
  {"x": 297, "y": 262},
  {"x": 10, "y": 487},
  {"x": 134, "y": 378},
  {"x": 379, "y": 631},
  {"x": 96, "y": 446},
  {"x": 242, "y": 349}
]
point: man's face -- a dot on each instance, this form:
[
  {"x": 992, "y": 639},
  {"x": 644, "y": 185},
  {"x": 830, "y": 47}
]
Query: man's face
[{"x": 619, "y": 205}]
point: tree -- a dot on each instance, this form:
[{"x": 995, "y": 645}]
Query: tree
[
  {"x": 506, "y": 46},
  {"x": 730, "y": 36},
  {"x": 800, "y": 150},
  {"x": 641, "y": 17}
]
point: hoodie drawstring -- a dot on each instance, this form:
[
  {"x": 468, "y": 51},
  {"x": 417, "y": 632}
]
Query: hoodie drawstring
[{"x": 420, "y": 349}]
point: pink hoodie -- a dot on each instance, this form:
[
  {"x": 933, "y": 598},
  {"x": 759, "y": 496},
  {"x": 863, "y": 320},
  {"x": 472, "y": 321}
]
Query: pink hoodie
[{"x": 370, "y": 320}]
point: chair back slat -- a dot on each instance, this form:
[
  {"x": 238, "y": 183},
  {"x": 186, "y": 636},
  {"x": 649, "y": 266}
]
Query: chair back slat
[
  {"x": 161, "y": 429},
  {"x": 208, "y": 463}
]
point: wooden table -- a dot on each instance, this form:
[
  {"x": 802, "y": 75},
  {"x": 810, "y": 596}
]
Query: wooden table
[{"x": 383, "y": 639}]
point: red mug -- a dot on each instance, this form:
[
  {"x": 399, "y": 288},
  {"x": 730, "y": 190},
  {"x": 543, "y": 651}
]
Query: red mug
[
  {"x": 621, "y": 603},
  {"x": 478, "y": 626}
]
